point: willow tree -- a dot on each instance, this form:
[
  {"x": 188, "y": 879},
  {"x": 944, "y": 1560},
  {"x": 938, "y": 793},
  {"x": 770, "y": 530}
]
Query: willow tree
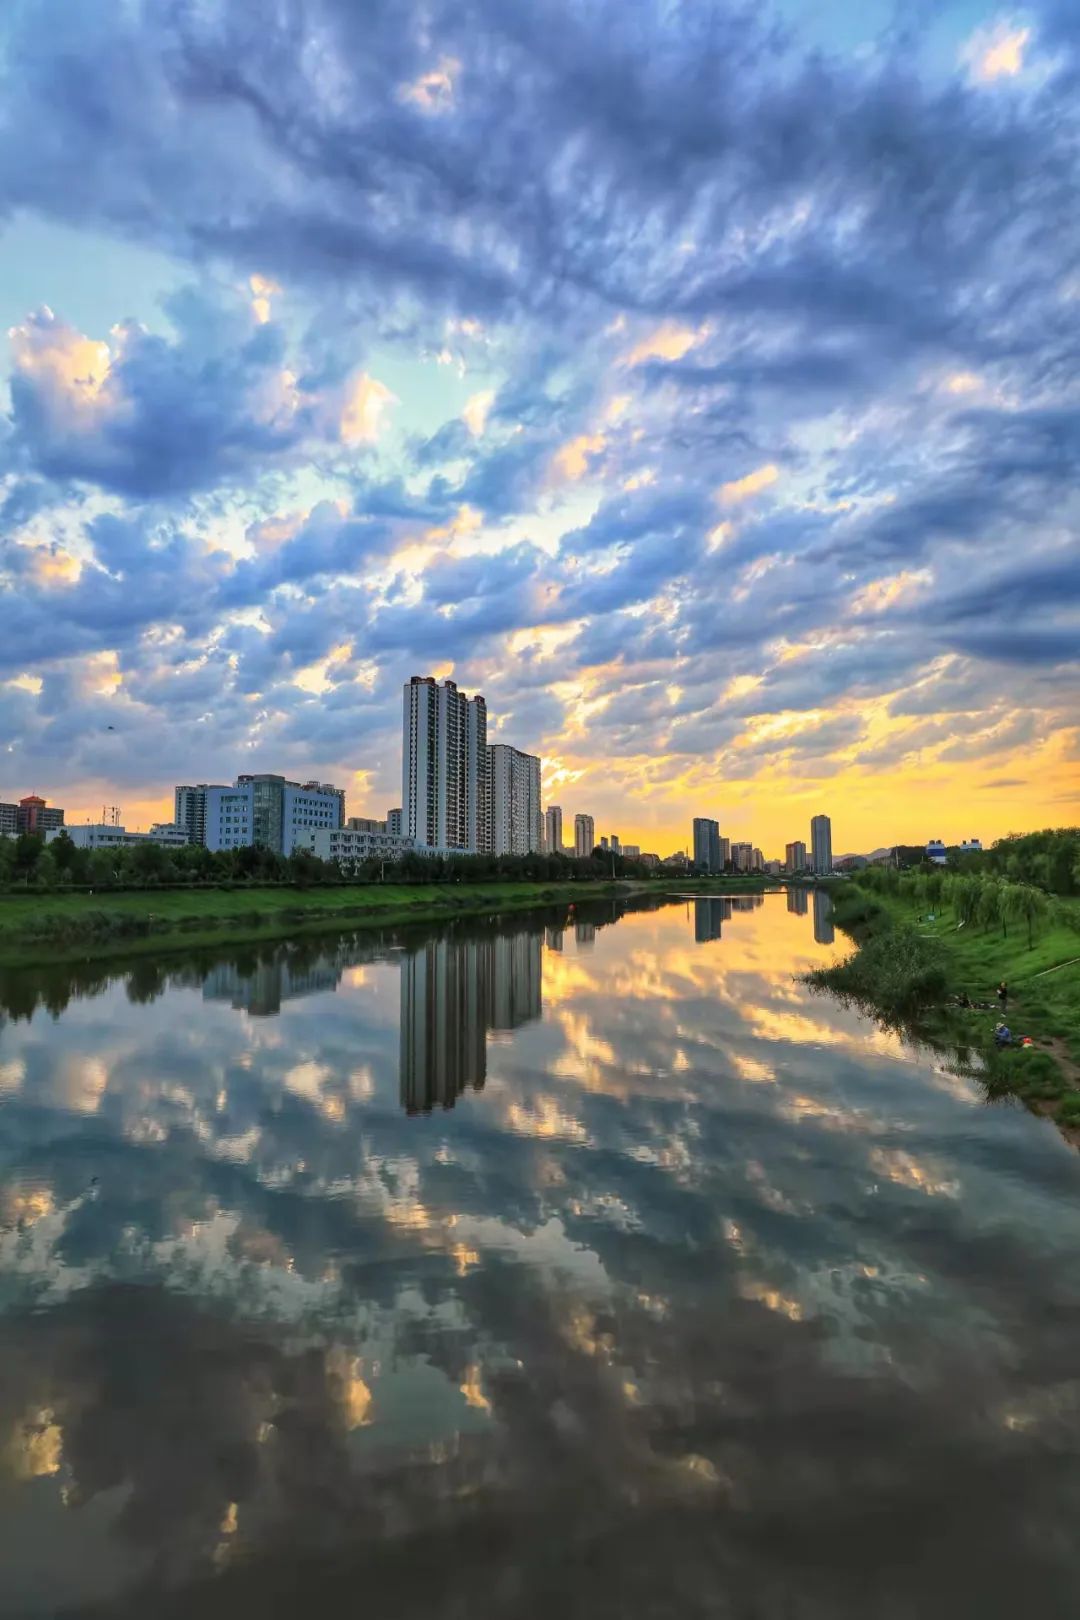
[{"x": 1028, "y": 905}]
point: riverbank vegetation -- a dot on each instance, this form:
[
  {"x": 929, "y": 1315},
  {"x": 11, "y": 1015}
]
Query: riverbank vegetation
[
  {"x": 27, "y": 862},
  {"x": 37, "y": 926},
  {"x": 35, "y": 929},
  {"x": 930, "y": 941}
]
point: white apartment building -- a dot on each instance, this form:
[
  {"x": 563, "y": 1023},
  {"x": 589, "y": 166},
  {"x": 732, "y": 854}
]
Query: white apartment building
[
  {"x": 445, "y": 785},
  {"x": 584, "y": 836},
  {"x": 516, "y": 820}
]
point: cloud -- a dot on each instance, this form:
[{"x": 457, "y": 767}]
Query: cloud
[
  {"x": 143, "y": 415},
  {"x": 366, "y": 403},
  {"x": 666, "y": 342},
  {"x": 433, "y": 92},
  {"x": 742, "y": 489},
  {"x": 476, "y": 410},
  {"x": 997, "y": 52}
]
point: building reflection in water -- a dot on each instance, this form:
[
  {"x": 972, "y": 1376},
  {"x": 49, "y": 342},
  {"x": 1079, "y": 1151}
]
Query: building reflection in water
[
  {"x": 261, "y": 989},
  {"x": 554, "y": 937},
  {"x": 454, "y": 993},
  {"x": 584, "y": 934},
  {"x": 709, "y": 916},
  {"x": 823, "y": 923},
  {"x": 796, "y": 901}
]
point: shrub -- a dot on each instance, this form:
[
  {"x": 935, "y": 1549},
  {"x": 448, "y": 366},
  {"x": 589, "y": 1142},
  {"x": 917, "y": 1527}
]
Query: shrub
[{"x": 894, "y": 972}]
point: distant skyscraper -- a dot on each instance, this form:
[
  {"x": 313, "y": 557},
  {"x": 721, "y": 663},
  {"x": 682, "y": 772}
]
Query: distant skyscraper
[
  {"x": 742, "y": 857},
  {"x": 553, "y": 829},
  {"x": 725, "y": 853},
  {"x": 707, "y": 845},
  {"x": 616, "y": 846},
  {"x": 444, "y": 776},
  {"x": 394, "y": 819},
  {"x": 516, "y": 817},
  {"x": 795, "y": 856},
  {"x": 584, "y": 836},
  {"x": 477, "y": 779},
  {"x": 821, "y": 843}
]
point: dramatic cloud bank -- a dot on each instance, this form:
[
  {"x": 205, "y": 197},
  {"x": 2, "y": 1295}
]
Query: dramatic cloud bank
[{"x": 700, "y": 388}]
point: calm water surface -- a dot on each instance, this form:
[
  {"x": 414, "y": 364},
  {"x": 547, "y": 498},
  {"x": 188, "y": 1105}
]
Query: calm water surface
[{"x": 585, "y": 1266}]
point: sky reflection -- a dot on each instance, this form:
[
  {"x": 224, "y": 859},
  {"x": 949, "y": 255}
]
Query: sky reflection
[{"x": 592, "y": 1231}]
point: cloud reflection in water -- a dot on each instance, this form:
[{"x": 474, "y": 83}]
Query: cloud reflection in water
[{"x": 572, "y": 1234}]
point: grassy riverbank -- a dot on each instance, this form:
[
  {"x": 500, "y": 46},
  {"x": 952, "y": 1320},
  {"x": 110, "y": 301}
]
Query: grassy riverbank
[
  {"x": 911, "y": 964},
  {"x": 37, "y": 927}
]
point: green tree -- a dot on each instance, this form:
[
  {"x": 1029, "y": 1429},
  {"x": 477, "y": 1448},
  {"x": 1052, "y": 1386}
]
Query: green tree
[
  {"x": 64, "y": 852},
  {"x": 1030, "y": 906},
  {"x": 102, "y": 868},
  {"x": 46, "y": 872},
  {"x": 28, "y": 848},
  {"x": 988, "y": 912}
]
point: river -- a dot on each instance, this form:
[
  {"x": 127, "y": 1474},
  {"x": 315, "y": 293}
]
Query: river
[{"x": 583, "y": 1263}]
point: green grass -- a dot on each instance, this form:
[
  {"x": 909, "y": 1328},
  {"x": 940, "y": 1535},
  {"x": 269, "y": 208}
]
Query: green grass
[
  {"x": 42, "y": 927},
  {"x": 1043, "y": 1004},
  {"x": 50, "y": 927}
]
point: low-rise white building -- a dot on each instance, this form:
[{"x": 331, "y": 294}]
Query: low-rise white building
[
  {"x": 103, "y": 835},
  {"x": 367, "y": 842}
]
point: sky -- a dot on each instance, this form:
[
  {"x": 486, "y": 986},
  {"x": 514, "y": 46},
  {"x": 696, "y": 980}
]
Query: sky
[{"x": 697, "y": 381}]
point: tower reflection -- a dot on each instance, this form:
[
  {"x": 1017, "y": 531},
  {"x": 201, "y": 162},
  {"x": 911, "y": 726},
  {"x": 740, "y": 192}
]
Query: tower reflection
[
  {"x": 454, "y": 993},
  {"x": 709, "y": 916},
  {"x": 796, "y": 901},
  {"x": 824, "y": 932}
]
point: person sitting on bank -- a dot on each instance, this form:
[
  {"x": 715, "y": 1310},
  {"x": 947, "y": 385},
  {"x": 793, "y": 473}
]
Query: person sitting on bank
[{"x": 1003, "y": 1035}]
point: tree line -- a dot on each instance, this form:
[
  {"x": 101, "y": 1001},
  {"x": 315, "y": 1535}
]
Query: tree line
[
  {"x": 977, "y": 899},
  {"x": 1049, "y": 859},
  {"x": 28, "y": 862}
]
